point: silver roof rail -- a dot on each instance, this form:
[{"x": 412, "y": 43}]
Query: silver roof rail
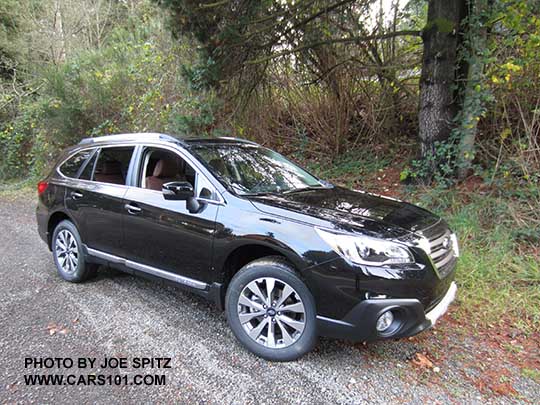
[
  {"x": 242, "y": 140},
  {"x": 131, "y": 137}
]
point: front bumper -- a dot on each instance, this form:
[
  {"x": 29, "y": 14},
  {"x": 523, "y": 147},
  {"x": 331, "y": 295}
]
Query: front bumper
[{"x": 410, "y": 318}]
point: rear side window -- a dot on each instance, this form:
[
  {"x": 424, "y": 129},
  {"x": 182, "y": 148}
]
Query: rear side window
[
  {"x": 71, "y": 167},
  {"x": 112, "y": 165}
]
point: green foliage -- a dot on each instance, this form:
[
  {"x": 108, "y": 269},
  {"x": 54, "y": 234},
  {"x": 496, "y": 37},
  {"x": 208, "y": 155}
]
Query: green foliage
[
  {"x": 12, "y": 49},
  {"x": 438, "y": 167},
  {"x": 221, "y": 28},
  {"x": 132, "y": 84},
  {"x": 533, "y": 374}
]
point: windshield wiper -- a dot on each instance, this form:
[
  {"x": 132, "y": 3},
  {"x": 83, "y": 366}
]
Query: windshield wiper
[
  {"x": 259, "y": 193},
  {"x": 300, "y": 189}
]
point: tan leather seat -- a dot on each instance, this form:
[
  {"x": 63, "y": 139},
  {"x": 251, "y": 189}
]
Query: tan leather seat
[
  {"x": 166, "y": 170},
  {"x": 110, "y": 172}
]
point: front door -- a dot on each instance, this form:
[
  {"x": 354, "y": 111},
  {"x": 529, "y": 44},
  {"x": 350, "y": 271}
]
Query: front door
[{"x": 161, "y": 233}]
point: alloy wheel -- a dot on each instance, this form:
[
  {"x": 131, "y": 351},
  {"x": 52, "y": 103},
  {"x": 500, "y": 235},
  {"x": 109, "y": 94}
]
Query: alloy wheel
[
  {"x": 271, "y": 312},
  {"x": 67, "y": 251}
]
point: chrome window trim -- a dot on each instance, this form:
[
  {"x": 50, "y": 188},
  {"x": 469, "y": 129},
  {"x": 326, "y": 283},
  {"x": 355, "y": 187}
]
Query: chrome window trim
[
  {"x": 199, "y": 285},
  {"x": 92, "y": 147},
  {"x": 165, "y": 145}
]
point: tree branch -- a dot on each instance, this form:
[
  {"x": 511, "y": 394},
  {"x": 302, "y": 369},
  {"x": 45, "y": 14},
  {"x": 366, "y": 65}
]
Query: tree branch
[
  {"x": 212, "y": 5},
  {"x": 336, "y": 41},
  {"x": 322, "y": 11}
]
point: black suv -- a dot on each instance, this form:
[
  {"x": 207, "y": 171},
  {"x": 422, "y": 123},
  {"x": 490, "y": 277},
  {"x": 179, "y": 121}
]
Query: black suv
[{"x": 287, "y": 256}]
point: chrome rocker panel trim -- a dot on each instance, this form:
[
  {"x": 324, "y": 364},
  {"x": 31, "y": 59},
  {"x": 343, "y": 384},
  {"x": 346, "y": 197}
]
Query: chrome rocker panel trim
[{"x": 148, "y": 269}]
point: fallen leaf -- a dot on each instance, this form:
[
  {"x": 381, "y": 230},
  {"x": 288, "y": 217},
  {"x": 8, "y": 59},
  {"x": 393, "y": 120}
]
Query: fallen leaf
[
  {"x": 421, "y": 360},
  {"x": 503, "y": 389},
  {"x": 52, "y": 328}
]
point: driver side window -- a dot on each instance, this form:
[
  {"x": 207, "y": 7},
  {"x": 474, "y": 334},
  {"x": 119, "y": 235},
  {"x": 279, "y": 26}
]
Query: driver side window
[{"x": 160, "y": 166}]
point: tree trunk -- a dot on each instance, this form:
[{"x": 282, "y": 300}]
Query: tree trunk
[
  {"x": 469, "y": 119},
  {"x": 58, "y": 47},
  {"x": 472, "y": 105},
  {"x": 438, "y": 104}
]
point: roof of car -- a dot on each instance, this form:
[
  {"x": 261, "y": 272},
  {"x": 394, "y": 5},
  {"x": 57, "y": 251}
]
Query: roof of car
[{"x": 148, "y": 137}]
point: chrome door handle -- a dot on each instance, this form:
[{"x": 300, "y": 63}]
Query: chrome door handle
[
  {"x": 75, "y": 195},
  {"x": 132, "y": 209}
]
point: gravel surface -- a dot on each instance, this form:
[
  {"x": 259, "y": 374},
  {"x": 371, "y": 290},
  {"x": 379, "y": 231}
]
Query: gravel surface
[{"x": 117, "y": 315}]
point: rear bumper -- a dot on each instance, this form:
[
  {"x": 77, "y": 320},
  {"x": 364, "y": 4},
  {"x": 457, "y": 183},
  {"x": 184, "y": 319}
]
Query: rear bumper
[{"x": 409, "y": 317}]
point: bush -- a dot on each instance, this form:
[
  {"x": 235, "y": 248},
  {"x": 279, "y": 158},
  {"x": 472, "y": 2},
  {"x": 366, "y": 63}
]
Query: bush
[{"x": 132, "y": 84}]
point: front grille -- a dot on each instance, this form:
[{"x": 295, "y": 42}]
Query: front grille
[{"x": 442, "y": 253}]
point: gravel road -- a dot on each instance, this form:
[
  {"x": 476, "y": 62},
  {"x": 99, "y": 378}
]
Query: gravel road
[{"x": 117, "y": 315}]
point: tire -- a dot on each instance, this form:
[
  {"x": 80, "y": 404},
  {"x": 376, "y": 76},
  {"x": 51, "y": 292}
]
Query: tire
[
  {"x": 291, "y": 315},
  {"x": 70, "y": 262}
]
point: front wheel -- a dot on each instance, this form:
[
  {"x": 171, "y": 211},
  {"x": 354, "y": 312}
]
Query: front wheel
[
  {"x": 271, "y": 311},
  {"x": 68, "y": 254}
]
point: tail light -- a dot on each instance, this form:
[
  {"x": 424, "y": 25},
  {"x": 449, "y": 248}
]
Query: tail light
[{"x": 42, "y": 186}]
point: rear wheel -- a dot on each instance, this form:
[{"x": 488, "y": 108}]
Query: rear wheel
[
  {"x": 271, "y": 311},
  {"x": 68, "y": 254}
]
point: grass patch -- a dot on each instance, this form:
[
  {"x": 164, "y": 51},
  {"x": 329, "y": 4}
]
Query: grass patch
[
  {"x": 499, "y": 279},
  {"x": 350, "y": 167},
  {"x": 18, "y": 189}
]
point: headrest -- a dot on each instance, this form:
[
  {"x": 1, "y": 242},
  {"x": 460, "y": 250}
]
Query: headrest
[
  {"x": 166, "y": 168},
  {"x": 111, "y": 167}
]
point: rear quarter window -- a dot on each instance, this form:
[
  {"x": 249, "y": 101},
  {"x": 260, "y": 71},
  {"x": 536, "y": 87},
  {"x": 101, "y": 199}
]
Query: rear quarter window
[{"x": 71, "y": 167}]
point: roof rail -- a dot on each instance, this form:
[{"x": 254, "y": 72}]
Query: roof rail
[
  {"x": 131, "y": 137},
  {"x": 232, "y": 138}
]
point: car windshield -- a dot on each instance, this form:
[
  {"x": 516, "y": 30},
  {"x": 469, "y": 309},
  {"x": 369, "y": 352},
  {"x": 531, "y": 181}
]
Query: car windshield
[{"x": 249, "y": 169}]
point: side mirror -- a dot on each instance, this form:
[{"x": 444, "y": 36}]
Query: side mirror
[{"x": 177, "y": 190}]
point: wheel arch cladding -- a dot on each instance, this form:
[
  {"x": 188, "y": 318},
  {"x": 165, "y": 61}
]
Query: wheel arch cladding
[
  {"x": 244, "y": 254},
  {"x": 54, "y": 220}
]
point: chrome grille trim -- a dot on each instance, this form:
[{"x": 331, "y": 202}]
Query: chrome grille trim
[
  {"x": 435, "y": 255},
  {"x": 444, "y": 261},
  {"x": 442, "y": 258}
]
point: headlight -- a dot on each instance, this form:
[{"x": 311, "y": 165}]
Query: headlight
[{"x": 366, "y": 250}]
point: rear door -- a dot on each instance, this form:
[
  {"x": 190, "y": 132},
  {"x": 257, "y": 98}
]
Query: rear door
[
  {"x": 164, "y": 234},
  {"x": 95, "y": 199}
]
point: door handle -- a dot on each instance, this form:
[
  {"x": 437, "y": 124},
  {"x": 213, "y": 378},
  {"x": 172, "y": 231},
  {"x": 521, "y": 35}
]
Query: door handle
[
  {"x": 76, "y": 195},
  {"x": 132, "y": 209}
]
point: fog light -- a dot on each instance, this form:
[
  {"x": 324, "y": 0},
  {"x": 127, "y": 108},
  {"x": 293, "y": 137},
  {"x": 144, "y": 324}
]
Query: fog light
[{"x": 384, "y": 321}]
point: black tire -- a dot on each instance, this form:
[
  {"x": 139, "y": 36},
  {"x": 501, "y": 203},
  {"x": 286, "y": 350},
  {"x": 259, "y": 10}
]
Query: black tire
[
  {"x": 75, "y": 273},
  {"x": 274, "y": 267}
]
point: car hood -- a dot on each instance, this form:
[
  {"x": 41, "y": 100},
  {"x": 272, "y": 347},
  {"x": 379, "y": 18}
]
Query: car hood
[{"x": 347, "y": 208}]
